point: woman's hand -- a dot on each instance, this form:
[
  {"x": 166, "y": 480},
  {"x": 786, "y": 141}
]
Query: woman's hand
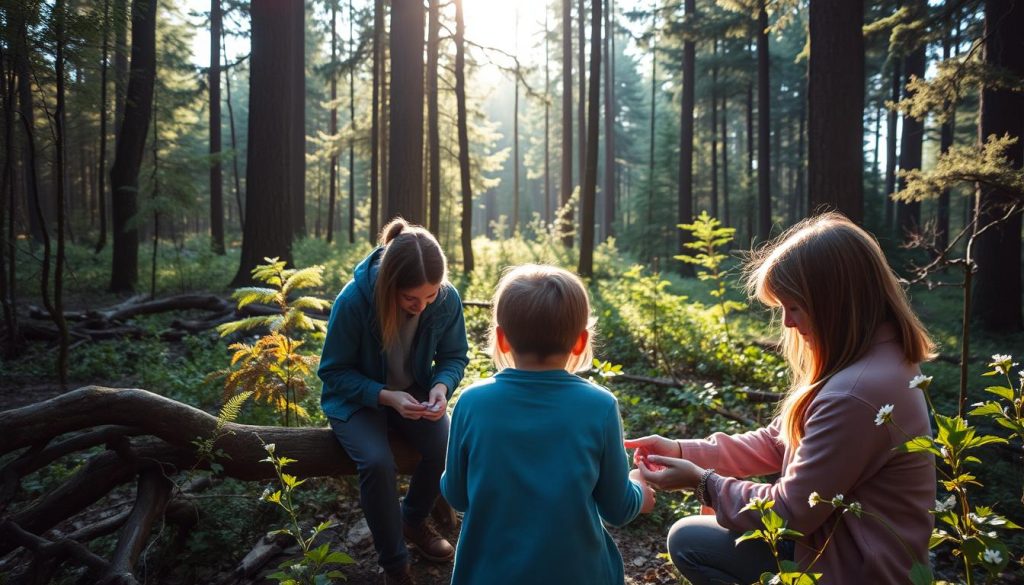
[
  {"x": 648, "y": 501},
  {"x": 670, "y": 473},
  {"x": 403, "y": 403},
  {"x": 437, "y": 402},
  {"x": 652, "y": 445}
]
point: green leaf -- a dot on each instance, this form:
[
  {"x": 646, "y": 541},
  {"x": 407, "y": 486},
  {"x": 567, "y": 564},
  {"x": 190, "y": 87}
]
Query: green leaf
[
  {"x": 986, "y": 409},
  {"x": 1001, "y": 391},
  {"x": 340, "y": 558},
  {"x": 752, "y": 535},
  {"x": 921, "y": 574},
  {"x": 922, "y": 444},
  {"x": 248, "y": 295}
]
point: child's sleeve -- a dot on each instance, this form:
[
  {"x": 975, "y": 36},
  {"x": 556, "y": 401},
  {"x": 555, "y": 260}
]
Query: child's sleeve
[
  {"x": 453, "y": 480},
  {"x": 618, "y": 498}
]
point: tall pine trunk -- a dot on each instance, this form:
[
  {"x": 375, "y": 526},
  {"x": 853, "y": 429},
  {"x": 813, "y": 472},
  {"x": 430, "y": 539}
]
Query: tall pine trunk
[
  {"x": 295, "y": 146},
  {"x": 131, "y": 142},
  {"x": 352, "y": 121},
  {"x": 891, "y": 144},
  {"x": 608, "y": 191},
  {"x": 332, "y": 186},
  {"x": 216, "y": 172},
  {"x": 764, "y": 164},
  {"x": 378, "y": 67},
  {"x": 685, "y": 193},
  {"x": 433, "y": 124},
  {"x": 463, "y": 132},
  {"x": 565, "y": 218},
  {"x": 101, "y": 174},
  {"x": 405, "y": 159},
  {"x": 269, "y": 202},
  {"x": 835, "y": 98},
  {"x": 589, "y": 195},
  {"x": 997, "y": 284},
  {"x": 714, "y": 129}
]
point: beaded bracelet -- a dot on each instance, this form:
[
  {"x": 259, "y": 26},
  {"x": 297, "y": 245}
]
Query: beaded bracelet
[{"x": 702, "y": 487}]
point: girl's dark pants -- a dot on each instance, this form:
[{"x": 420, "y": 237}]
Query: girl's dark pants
[{"x": 364, "y": 437}]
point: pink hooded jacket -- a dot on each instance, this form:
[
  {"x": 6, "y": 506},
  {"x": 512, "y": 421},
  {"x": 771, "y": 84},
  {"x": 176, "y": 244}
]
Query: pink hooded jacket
[{"x": 844, "y": 452}]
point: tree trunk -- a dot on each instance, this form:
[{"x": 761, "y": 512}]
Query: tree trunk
[
  {"x": 764, "y": 165},
  {"x": 463, "y": 131},
  {"x": 121, "y": 15},
  {"x": 581, "y": 86},
  {"x": 750, "y": 207},
  {"x": 101, "y": 195},
  {"x": 268, "y": 226},
  {"x": 515, "y": 141},
  {"x": 405, "y": 159},
  {"x": 59, "y": 23},
  {"x": 835, "y": 98},
  {"x": 332, "y": 195},
  {"x": 890, "y": 147},
  {"x": 908, "y": 215},
  {"x": 608, "y": 191},
  {"x": 131, "y": 142},
  {"x": 997, "y": 284},
  {"x": 216, "y": 172},
  {"x": 589, "y": 195},
  {"x": 713, "y": 98},
  {"x": 234, "y": 143},
  {"x": 945, "y": 141},
  {"x": 26, "y": 105},
  {"x": 726, "y": 220},
  {"x": 433, "y": 124},
  {"x": 565, "y": 218},
  {"x": 13, "y": 342},
  {"x": 295, "y": 113},
  {"x": 547, "y": 121},
  {"x": 685, "y": 194},
  {"x": 378, "y": 67},
  {"x": 352, "y": 120}
]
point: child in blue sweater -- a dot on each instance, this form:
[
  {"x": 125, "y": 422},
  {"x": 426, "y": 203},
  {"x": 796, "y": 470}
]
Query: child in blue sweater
[{"x": 535, "y": 453}]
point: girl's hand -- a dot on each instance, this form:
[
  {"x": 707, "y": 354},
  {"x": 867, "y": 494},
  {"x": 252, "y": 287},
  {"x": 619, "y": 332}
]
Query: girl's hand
[
  {"x": 403, "y": 403},
  {"x": 648, "y": 502},
  {"x": 674, "y": 474},
  {"x": 652, "y": 445},
  {"x": 437, "y": 403}
]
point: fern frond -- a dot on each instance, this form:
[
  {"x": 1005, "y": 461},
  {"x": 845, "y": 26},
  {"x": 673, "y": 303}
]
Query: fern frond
[
  {"x": 245, "y": 324},
  {"x": 304, "y": 278},
  {"x": 274, "y": 322},
  {"x": 248, "y": 295},
  {"x": 231, "y": 409},
  {"x": 310, "y": 304},
  {"x": 270, "y": 272}
]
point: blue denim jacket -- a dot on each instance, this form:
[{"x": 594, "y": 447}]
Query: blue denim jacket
[{"x": 353, "y": 363}]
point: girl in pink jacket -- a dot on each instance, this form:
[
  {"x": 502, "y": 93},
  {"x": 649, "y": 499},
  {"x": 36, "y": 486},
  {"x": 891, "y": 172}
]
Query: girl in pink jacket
[{"x": 853, "y": 346}]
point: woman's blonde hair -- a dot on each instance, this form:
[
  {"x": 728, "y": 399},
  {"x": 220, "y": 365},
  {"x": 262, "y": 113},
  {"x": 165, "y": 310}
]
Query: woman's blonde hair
[
  {"x": 542, "y": 310},
  {"x": 412, "y": 257},
  {"x": 838, "y": 275}
]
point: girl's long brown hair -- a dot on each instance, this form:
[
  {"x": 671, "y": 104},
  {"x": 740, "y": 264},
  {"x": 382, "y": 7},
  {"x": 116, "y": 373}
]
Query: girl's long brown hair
[
  {"x": 412, "y": 257},
  {"x": 838, "y": 275}
]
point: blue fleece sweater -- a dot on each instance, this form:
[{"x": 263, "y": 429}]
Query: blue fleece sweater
[
  {"x": 536, "y": 461},
  {"x": 353, "y": 363}
]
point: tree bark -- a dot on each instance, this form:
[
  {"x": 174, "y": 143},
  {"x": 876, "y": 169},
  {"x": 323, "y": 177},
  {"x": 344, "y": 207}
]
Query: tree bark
[
  {"x": 891, "y": 144},
  {"x": 433, "y": 125},
  {"x": 565, "y": 218},
  {"x": 713, "y": 98},
  {"x": 405, "y": 160},
  {"x": 269, "y": 204},
  {"x": 332, "y": 196},
  {"x": 997, "y": 284},
  {"x": 295, "y": 113},
  {"x": 908, "y": 215},
  {"x": 378, "y": 67},
  {"x": 685, "y": 193},
  {"x": 764, "y": 165},
  {"x": 131, "y": 143},
  {"x": 463, "y": 132},
  {"x": 608, "y": 190},
  {"x": 589, "y": 195},
  {"x": 835, "y": 96},
  {"x": 352, "y": 120},
  {"x": 216, "y": 172},
  {"x": 101, "y": 195}
]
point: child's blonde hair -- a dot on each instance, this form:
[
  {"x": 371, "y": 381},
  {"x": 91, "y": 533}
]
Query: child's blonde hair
[
  {"x": 412, "y": 257},
  {"x": 838, "y": 275},
  {"x": 542, "y": 310}
]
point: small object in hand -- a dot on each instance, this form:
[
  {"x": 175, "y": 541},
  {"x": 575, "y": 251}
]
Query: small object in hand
[
  {"x": 431, "y": 407},
  {"x": 642, "y": 459}
]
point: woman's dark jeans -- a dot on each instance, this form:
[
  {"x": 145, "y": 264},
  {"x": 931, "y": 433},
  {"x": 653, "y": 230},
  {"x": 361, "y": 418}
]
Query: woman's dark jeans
[
  {"x": 364, "y": 437},
  {"x": 706, "y": 553}
]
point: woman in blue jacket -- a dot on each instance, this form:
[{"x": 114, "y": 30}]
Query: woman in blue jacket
[{"x": 395, "y": 351}]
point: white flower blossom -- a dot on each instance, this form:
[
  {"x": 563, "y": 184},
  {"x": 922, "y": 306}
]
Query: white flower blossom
[
  {"x": 856, "y": 508},
  {"x": 265, "y": 494},
  {"x": 813, "y": 499},
  {"x": 755, "y": 502},
  {"x": 945, "y": 505},
  {"x": 884, "y": 415},
  {"x": 270, "y": 448},
  {"x": 837, "y": 500},
  {"x": 992, "y": 556},
  {"x": 920, "y": 382},
  {"x": 944, "y": 452},
  {"x": 1002, "y": 363},
  {"x": 776, "y": 580}
]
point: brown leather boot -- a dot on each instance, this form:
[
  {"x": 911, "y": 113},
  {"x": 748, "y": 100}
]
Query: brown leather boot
[
  {"x": 400, "y": 576},
  {"x": 428, "y": 542}
]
